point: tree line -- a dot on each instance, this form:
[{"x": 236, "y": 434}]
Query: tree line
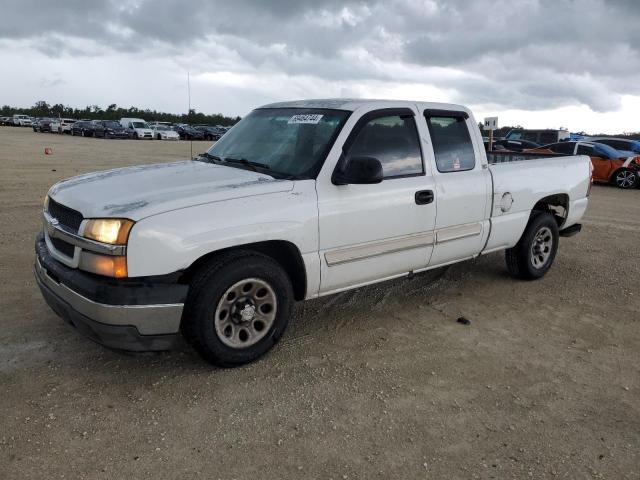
[{"x": 114, "y": 112}]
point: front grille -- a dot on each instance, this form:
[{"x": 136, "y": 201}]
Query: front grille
[
  {"x": 66, "y": 216},
  {"x": 63, "y": 247}
]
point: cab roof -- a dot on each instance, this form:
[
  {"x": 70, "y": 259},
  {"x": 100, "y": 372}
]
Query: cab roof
[{"x": 352, "y": 104}]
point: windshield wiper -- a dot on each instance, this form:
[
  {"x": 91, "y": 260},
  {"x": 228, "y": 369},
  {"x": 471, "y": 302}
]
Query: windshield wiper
[
  {"x": 243, "y": 161},
  {"x": 211, "y": 157},
  {"x": 254, "y": 166}
]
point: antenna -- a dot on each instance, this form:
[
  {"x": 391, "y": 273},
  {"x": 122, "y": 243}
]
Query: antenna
[{"x": 189, "y": 113}]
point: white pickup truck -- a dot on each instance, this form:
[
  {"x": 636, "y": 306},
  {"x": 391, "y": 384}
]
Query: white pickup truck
[{"x": 298, "y": 200}]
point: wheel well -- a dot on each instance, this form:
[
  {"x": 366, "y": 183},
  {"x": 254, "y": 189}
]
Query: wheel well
[
  {"x": 283, "y": 252},
  {"x": 557, "y": 205}
]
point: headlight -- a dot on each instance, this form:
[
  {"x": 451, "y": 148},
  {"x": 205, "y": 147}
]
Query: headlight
[
  {"x": 114, "y": 231},
  {"x": 45, "y": 204}
]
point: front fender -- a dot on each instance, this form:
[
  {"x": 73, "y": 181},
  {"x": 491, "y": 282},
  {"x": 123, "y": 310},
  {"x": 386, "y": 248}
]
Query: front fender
[{"x": 172, "y": 241}]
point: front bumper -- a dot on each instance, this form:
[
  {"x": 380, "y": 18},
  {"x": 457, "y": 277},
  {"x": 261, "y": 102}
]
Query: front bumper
[
  {"x": 116, "y": 135},
  {"x": 135, "y": 314}
]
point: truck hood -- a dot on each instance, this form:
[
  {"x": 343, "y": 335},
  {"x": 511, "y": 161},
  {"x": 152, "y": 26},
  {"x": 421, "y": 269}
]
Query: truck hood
[{"x": 141, "y": 191}]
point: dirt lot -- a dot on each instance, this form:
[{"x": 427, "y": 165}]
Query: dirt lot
[{"x": 377, "y": 383}]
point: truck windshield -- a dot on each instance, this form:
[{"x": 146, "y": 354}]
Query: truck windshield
[{"x": 288, "y": 142}]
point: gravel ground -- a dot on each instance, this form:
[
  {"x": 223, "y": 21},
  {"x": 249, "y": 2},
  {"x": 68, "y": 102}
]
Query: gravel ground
[{"x": 381, "y": 382}]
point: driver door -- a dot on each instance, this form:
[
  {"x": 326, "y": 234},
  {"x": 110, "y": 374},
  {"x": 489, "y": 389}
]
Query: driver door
[{"x": 376, "y": 231}]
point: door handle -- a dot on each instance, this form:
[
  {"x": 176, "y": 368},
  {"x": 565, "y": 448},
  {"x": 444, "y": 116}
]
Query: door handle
[{"x": 424, "y": 197}]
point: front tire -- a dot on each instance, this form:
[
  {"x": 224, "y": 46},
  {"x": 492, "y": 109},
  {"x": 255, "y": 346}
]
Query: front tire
[
  {"x": 536, "y": 250},
  {"x": 625, "y": 179},
  {"x": 237, "y": 308}
]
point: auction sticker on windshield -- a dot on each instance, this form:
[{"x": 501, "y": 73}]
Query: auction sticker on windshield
[{"x": 312, "y": 118}]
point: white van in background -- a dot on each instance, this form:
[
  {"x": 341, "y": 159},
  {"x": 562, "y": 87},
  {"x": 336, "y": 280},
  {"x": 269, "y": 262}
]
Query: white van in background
[{"x": 137, "y": 128}]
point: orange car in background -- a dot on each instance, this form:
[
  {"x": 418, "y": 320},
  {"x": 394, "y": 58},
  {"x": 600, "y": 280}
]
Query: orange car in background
[{"x": 608, "y": 165}]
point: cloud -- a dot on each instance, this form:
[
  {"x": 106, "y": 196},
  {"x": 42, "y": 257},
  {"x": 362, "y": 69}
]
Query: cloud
[{"x": 494, "y": 54}]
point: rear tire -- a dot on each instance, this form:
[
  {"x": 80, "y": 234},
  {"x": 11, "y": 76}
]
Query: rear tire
[
  {"x": 536, "y": 250},
  {"x": 237, "y": 308},
  {"x": 625, "y": 179}
]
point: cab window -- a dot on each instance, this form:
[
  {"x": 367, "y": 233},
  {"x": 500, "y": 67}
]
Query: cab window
[
  {"x": 394, "y": 141},
  {"x": 452, "y": 144}
]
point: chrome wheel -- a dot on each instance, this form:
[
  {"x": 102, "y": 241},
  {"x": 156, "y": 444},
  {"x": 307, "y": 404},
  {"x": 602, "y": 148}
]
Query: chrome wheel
[
  {"x": 541, "y": 247},
  {"x": 245, "y": 313},
  {"x": 625, "y": 179}
]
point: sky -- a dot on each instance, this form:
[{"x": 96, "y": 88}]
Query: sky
[{"x": 536, "y": 63}]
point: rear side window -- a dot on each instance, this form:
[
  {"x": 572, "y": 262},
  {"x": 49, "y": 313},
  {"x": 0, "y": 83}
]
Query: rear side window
[
  {"x": 566, "y": 148},
  {"x": 394, "y": 141},
  {"x": 620, "y": 145},
  {"x": 451, "y": 143},
  {"x": 546, "y": 137},
  {"x": 585, "y": 150}
]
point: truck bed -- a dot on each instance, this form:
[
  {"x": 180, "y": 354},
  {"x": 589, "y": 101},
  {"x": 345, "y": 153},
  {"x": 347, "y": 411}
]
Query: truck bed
[{"x": 525, "y": 182}]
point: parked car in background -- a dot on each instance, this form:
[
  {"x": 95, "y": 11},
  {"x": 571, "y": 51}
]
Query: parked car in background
[
  {"x": 164, "y": 132},
  {"x": 625, "y": 146},
  {"x": 187, "y": 132},
  {"x": 66, "y": 124},
  {"x": 6, "y": 121},
  {"x": 137, "y": 128},
  {"x": 42, "y": 125},
  {"x": 62, "y": 125},
  {"x": 511, "y": 145},
  {"x": 210, "y": 132},
  {"x": 609, "y": 166},
  {"x": 109, "y": 129},
  {"x": 83, "y": 128},
  {"x": 21, "y": 120},
  {"x": 578, "y": 136},
  {"x": 539, "y": 136}
]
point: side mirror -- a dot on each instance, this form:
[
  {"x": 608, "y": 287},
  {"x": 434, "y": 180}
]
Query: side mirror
[{"x": 358, "y": 170}]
